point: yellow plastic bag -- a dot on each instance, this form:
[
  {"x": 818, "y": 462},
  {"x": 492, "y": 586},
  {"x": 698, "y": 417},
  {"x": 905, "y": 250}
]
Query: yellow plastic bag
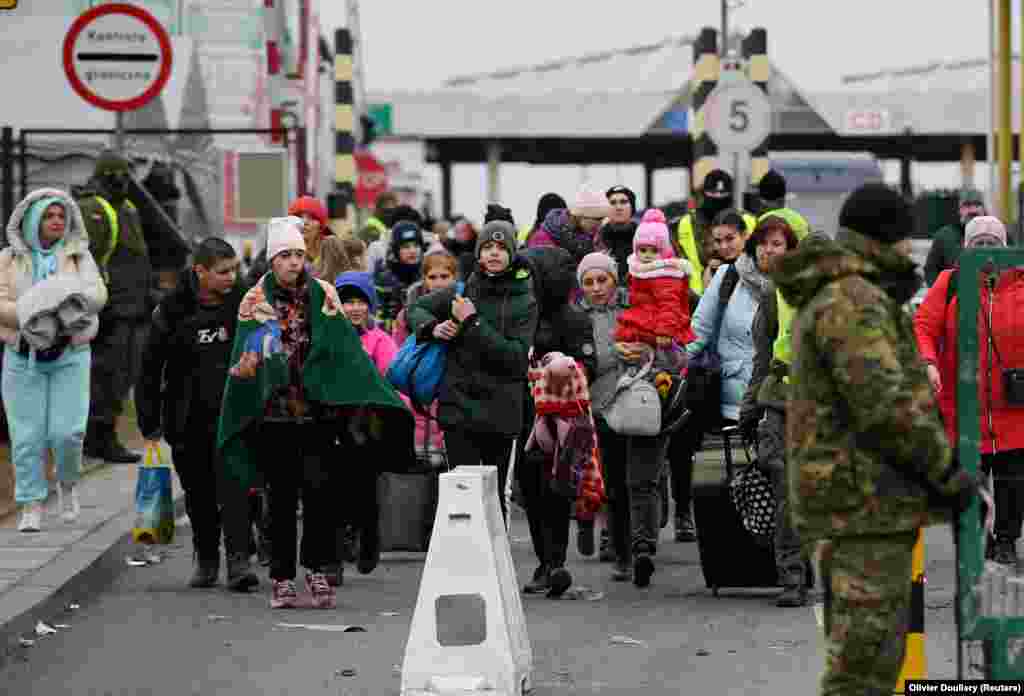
[{"x": 154, "y": 501}]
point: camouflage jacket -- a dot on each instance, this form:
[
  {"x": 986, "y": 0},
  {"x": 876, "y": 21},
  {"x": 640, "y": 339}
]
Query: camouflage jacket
[{"x": 866, "y": 449}]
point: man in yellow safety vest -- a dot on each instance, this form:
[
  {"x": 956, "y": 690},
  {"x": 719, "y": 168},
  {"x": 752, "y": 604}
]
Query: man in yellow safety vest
[{"x": 693, "y": 234}]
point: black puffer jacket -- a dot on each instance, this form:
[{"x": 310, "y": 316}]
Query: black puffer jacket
[
  {"x": 185, "y": 361},
  {"x": 561, "y": 326},
  {"x": 617, "y": 240}
]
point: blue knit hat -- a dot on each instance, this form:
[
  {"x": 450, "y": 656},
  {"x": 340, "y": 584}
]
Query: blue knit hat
[{"x": 357, "y": 282}]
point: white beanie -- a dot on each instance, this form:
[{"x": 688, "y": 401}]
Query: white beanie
[{"x": 284, "y": 234}]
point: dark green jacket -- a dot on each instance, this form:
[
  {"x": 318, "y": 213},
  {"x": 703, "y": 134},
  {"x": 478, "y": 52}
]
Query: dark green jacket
[
  {"x": 947, "y": 244},
  {"x": 483, "y": 388},
  {"x": 867, "y": 453}
]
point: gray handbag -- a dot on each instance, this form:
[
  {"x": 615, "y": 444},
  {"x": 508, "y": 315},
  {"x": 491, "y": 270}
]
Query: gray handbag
[{"x": 635, "y": 408}]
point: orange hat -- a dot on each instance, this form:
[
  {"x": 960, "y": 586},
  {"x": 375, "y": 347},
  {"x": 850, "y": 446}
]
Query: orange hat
[{"x": 311, "y": 206}]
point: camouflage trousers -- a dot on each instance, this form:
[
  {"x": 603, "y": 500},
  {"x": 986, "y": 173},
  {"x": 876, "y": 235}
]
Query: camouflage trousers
[
  {"x": 867, "y": 610},
  {"x": 771, "y": 455}
]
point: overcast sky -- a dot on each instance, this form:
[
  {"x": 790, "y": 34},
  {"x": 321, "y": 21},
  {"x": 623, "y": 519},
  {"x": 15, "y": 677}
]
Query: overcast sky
[
  {"x": 410, "y": 43},
  {"x": 418, "y": 45}
]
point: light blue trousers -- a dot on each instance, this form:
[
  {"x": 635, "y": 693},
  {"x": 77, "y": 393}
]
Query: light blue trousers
[{"x": 47, "y": 405}]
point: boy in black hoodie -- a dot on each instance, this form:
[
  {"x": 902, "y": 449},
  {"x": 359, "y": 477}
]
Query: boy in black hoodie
[{"x": 184, "y": 369}]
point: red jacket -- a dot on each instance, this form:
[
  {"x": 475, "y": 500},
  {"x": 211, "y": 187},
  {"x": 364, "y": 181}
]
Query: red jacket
[
  {"x": 659, "y": 303},
  {"x": 935, "y": 326}
]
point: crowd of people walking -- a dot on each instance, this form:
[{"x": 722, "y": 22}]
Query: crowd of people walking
[{"x": 572, "y": 346}]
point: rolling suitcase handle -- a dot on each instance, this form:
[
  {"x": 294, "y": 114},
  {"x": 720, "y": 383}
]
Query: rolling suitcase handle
[{"x": 727, "y": 433}]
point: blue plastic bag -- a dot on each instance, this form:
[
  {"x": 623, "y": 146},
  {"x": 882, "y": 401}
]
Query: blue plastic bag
[
  {"x": 418, "y": 369},
  {"x": 154, "y": 502}
]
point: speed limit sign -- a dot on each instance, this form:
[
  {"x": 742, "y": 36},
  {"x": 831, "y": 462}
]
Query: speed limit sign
[{"x": 737, "y": 115}]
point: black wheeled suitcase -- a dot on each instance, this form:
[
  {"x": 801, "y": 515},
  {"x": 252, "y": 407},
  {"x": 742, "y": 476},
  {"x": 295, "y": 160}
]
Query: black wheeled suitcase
[{"x": 729, "y": 554}]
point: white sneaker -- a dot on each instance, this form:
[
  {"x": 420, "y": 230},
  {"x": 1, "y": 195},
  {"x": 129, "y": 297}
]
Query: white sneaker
[
  {"x": 67, "y": 501},
  {"x": 31, "y": 518}
]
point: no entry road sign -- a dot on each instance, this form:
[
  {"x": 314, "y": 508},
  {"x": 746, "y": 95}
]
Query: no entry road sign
[{"x": 117, "y": 57}]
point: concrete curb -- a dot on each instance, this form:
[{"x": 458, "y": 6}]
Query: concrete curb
[{"x": 76, "y": 575}]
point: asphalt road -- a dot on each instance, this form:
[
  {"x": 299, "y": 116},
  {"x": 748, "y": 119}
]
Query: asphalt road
[{"x": 149, "y": 634}]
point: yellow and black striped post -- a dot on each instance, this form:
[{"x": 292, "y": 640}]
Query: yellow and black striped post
[
  {"x": 706, "y": 68},
  {"x": 340, "y": 203},
  {"x": 755, "y": 53},
  {"x": 914, "y": 666}
]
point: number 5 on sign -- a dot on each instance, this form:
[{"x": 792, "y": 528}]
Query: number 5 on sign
[{"x": 738, "y": 116}]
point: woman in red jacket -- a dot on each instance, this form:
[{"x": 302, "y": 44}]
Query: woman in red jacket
[{"x": 1001, "y": 345}]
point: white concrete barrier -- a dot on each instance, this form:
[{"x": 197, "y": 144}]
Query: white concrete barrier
[{"x": 468, "y": 633}]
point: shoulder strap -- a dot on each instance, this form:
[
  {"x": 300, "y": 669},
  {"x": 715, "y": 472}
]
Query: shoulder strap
[{"x": 729, "y": 282}]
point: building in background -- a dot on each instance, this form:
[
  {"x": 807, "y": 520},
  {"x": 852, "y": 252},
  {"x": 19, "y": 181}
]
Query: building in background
[{"x": 238, "y": 64}]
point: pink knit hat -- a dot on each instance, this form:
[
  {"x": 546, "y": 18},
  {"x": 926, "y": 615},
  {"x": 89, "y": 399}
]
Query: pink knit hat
[
  {"x": 984, "y": 227},
  {"x": 652, "y": 231},
  {"x": 591, "y": 203}
]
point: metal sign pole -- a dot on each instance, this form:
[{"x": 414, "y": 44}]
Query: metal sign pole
[{"x": 119, "y": 132}]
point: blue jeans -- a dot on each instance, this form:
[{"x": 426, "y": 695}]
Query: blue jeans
[{"x": 47, "y": 406}]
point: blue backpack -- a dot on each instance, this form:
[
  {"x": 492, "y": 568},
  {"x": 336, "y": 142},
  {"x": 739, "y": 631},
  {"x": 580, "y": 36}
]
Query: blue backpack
[{"x": 418, "y": 368}]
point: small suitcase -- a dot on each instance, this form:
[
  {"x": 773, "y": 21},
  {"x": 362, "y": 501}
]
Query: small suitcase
[
  {"x": 729, "y": 554},
  {"x": 407, "y": 505}
]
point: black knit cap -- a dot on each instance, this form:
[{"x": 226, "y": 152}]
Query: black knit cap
[
  {"x": 717, "y": 184},
  {"x": 498, "y": 212},
  {"x": 878, "y": 212},
  {"x": 772, "y": 186},
  {"x": 625, "y": 191}
]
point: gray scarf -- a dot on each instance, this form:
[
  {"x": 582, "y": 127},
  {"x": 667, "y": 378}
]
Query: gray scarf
[{"x": 750, "y": 274}]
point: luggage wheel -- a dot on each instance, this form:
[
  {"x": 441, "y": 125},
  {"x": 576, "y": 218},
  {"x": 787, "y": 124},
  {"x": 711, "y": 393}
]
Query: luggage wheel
[{"x": 714, "y": 591}]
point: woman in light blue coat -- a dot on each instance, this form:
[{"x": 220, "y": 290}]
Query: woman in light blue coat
[
  {"x": 51, "y": 293},
  {"x": 730, "y": 328}
]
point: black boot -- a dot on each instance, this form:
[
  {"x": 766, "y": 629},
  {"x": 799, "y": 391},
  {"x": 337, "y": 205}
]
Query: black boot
[
  {"x": 111, "y": 448},
  {"x": 240, "y": 575},
  {"x": 205, "y": 573},
  {"x": 369, "y": 549},
  {"x": 539, "y": 584},
  {"x": 559, "y": 580}
]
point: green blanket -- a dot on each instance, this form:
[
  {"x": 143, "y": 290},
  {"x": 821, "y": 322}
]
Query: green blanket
[{"x": 337, "y": 372}]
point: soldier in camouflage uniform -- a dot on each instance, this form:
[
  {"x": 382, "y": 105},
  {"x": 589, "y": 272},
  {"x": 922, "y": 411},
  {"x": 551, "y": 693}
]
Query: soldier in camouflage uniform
[{"x": 869, "y": 464}]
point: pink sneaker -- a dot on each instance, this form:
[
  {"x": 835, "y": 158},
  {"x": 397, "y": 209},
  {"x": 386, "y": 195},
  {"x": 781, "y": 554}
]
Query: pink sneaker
[
  {"x": 320, "y": 590},
  {"x": 282, "y": 594}
]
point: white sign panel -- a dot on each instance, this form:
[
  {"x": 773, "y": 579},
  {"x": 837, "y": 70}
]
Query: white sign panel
[{"x": 738, "y": 116}]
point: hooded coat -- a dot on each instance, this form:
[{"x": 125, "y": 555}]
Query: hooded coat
[
  {"x": 485, "y": 380},
  {"x": 72, "y": 258},
  {"x": 867, "y": 454}
]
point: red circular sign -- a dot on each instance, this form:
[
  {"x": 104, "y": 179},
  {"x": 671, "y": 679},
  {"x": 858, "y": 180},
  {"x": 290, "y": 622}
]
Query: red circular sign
[{"x": 151, "y": 85}]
